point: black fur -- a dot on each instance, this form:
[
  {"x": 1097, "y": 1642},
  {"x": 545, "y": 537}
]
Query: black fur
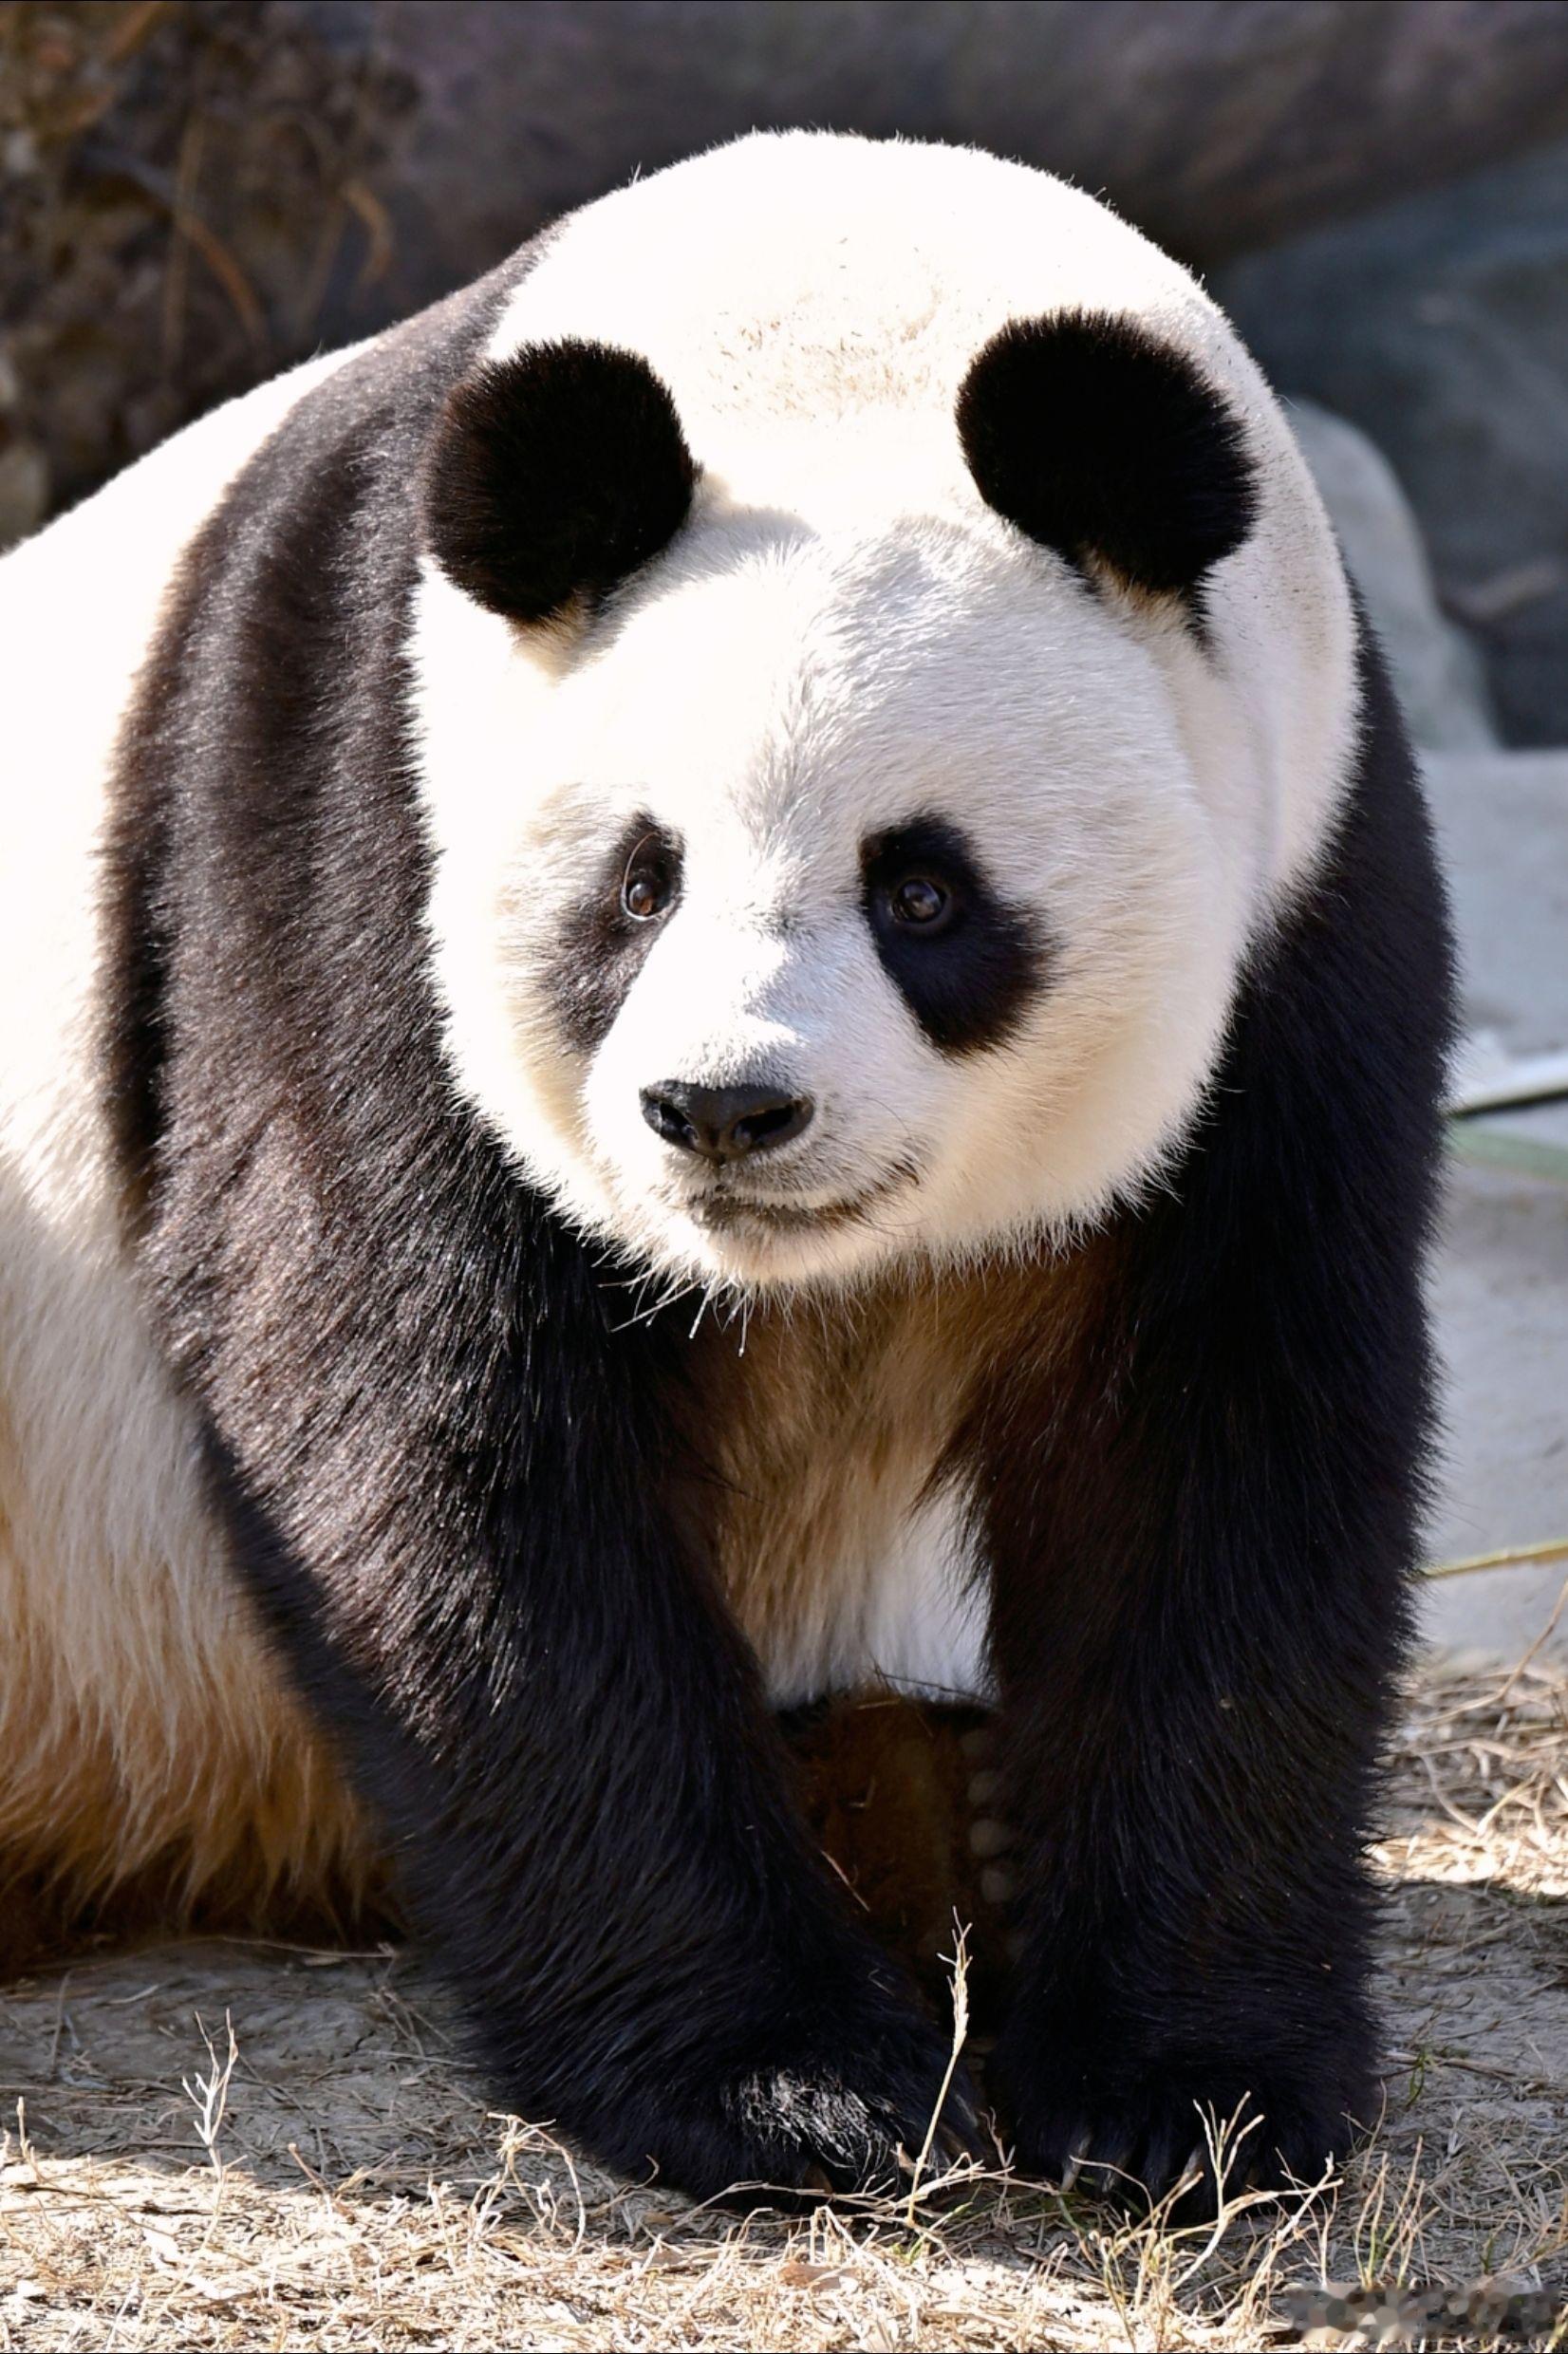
[
  {"x": 458, "y": 1491},
  {"x": 970, "y": 984},
  {"x": 1201, "y": 1613},
  {"x": 602, "y": 948},
  {"x": 554, "y": 475},
  {"x": 1101, "y": 441},
  {"x": 443, "y": 1456}
]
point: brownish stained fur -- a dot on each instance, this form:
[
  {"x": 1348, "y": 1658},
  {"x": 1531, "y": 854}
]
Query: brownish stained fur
[
  {"x": 266, "y": 1843},
  {"x": 886, "y": 1786},
  {"x": 45, "y": 1922},
  {"x": 840, "y": 1415}
]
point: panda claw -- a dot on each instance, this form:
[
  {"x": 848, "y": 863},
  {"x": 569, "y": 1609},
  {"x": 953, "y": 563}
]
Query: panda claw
[
  {"x": 984, "y": 1786},
  {"x": 988, "y": 1837}
]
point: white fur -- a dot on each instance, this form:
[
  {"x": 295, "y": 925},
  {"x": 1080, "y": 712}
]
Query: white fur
[
  {"x": 923, "y": 1625},
  {"x": 900, "y": 1606}
]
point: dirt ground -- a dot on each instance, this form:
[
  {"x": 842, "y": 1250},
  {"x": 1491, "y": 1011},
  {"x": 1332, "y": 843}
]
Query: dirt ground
[{"x": 235, "y": 2146}]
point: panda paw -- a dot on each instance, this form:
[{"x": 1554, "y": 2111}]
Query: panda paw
[
  {"x": 1192, "y": 2136},
  {"x": 846, "y": 2111},
  {"x": 856, "y": 2118}
]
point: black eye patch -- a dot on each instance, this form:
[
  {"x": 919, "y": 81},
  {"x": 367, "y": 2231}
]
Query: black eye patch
[
  {"x": 967, "y": 964},
  {"x": 607, "y": 939}
]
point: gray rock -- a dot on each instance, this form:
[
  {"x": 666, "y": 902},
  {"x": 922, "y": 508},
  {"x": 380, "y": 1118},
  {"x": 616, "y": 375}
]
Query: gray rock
[
  {"x": 1500, "y": 1288},
  {"x": 1437, "y": 672},
  {"x": 1500, "y": 1295},
  {"x": 23, "y": 491},
  {"x": 1440, "y": 326},
  {"x": 1503, "y": 829}
]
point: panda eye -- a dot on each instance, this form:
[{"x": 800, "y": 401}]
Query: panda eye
[
  {"x": 648, "y": 887},
  {"x": 919, "y": 903},
  {"x": 965, "y": 960}
]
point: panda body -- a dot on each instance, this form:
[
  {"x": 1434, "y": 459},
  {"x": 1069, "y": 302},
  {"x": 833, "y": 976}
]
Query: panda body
[{"x": 727, "y": 983}]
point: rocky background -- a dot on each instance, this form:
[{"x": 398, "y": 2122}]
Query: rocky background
[{"x": 192, "y": 193}]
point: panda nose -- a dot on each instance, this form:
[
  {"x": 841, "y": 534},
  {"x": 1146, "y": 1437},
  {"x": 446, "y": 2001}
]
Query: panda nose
[{"x": 723, "y": 1123}]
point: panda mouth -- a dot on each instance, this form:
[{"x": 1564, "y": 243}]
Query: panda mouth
[
  {"x": 724, "y": 1212},
  {"x": 728, "y": 1212}
]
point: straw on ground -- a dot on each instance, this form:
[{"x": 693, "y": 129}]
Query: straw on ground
[{"x": 326, "y": 2175}]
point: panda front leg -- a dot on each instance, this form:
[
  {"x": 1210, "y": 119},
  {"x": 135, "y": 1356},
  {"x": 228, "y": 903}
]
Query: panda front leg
[
  {"x": 454, "y": 1518},
  {"x": 1196, "y": 1634},
  {"x": 1188, "y": 1750},
  {"x": 1203, "y": 1523}
]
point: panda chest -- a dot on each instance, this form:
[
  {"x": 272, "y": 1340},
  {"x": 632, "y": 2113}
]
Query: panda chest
[{"x": 836, "y": 1521}]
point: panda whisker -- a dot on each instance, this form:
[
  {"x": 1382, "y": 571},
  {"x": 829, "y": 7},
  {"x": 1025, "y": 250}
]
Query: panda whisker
[{"x": 665, "y": 1298}]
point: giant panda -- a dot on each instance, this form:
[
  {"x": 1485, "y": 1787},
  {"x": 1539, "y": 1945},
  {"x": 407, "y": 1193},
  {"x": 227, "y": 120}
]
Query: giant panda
[{"x": 723, "y": 983}]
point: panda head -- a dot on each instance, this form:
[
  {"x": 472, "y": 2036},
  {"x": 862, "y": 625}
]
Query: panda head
[{"x": 823, "y": 872}]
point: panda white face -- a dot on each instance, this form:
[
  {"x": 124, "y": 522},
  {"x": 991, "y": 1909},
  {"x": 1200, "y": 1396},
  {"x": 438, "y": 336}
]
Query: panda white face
[{"x": 834, "y": 896}]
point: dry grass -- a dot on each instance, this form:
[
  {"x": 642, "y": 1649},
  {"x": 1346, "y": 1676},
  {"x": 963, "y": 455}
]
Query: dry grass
[{"x": 243, "y": 2146}]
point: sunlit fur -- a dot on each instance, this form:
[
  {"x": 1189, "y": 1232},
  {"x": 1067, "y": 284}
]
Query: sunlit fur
[
  {"x": 141, "y": 1728},
  {"x": 843, "y": 637}
]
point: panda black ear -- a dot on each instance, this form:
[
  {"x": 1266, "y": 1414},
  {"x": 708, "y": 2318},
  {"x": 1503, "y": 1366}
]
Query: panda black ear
[
  {"x": 1101, "y": 440},
  {"x": 553, "y": 474}
]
